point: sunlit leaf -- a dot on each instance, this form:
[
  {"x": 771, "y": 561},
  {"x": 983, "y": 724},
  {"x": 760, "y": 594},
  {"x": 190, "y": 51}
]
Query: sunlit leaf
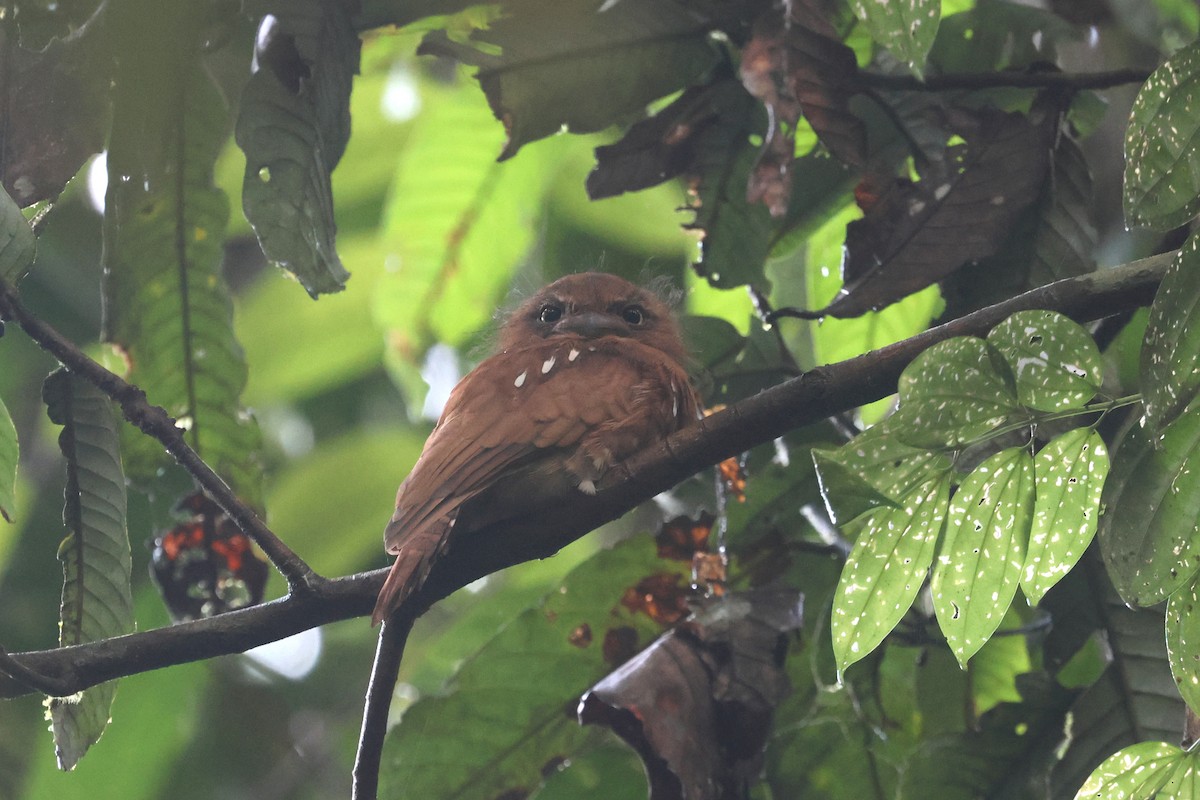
[
  {"x": 881, "y": 459},
  {"x": 8, "y": 463},
  {"x": 906, "y": 27},
  {"x": 293, "y": 125},
  {"x": 979, "y": 565},
  {"x": 96, "y": 602},
  {"x": 1147, "y": 770},
  {"x": 1171, "y": 349},
  {"x": 1151, "y": 521},
  {"x": 1162, "y": 156},
  {"x": 1070, "y": 472},
  {"x": 886, "y": 569},
  {"x": 1055, "y": 362},
  {"x": 952, "y": 394}
]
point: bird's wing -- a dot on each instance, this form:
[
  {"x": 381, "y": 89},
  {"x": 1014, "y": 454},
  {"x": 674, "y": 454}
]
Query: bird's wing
[{"x": 509, "y": 412}]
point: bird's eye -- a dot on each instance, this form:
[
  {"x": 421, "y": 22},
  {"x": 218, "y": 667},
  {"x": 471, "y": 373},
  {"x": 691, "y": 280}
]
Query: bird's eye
[
  {"x": 633, "y": 315},
  {"x": 550, "y": 313}
]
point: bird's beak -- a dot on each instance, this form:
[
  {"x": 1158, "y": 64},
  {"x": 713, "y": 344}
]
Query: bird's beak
[{"x": 593, "y": 325}]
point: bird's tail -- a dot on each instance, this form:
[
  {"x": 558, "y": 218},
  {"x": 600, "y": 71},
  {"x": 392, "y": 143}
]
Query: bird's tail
[{"x": 421, "y": 549}]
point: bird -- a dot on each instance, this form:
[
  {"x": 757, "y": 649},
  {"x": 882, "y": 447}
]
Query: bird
[{"x": 587, "y": 371}]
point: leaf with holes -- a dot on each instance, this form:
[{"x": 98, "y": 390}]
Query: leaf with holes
[
  {"x": 979, "y": 566},
  {"x": 1183, "y": 641},
  {"x": 886, "y": 569},
  {"x": 1055, "y": 362},
  {"x": 1149, "y": 531},
  {"x": 97, "y": 602},
  {"x": 1069, "y": 477},
  {"x": 293, "y": 126},
  {"x": 905, "y": 27},
  {"x": 952, "y": 394},
  {"x": 1162, "y": 145},
  {"x": 1146, "y": 770},
  {"x": 1170, "y": 378},
  {"x": 8, "y": 463}
]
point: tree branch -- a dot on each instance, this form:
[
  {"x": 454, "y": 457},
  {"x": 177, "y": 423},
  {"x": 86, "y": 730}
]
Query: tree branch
[
  {"x": 793, "y": 404},
  {"x": 156, "y": 423},
  {"x": 1077, "y": 81}
]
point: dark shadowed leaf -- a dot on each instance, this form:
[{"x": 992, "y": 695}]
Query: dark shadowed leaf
[
  {"x": 1162, "y": 159},
  {"x": 61, "y": 94},
  {"x": 166, "y": 305},
  {"x": 293, "y": 125},
  {"x": 507, "y": 712},
  {"x": 1066, "y": 237},
  {"x": 17, "y": 242},
  {"x": 796, "y": 65},
  {"x": 96, "y": 601},
  {"x": 961, "y": 210},
  {"x": 999, "y": 35},
  {"x": 1171, "y": 349},
  {"x": 582, "y": 64},
  {"x": 719, "y": 680},
  {"x": 1149, "y": 529}
]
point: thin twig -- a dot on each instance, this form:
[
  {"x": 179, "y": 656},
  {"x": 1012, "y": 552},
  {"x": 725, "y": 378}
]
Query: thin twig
[
  {"x": 995, "y": 80},
  {"x": 762, "y": 418},
  {"x": 156, "y": 423},
  {"x": 388, "y": 655}
]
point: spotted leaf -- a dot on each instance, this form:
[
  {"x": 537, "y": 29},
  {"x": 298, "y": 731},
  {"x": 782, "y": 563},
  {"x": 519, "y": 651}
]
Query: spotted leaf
[
  {"x": 885, "y": 570},
  {"x": 1162, "y": 148},
  {"x": 987, "y": 530},
  {"x": 1055, "y": 363},
  {"x": 1183, "y": 641},
  {"x": 1149, "y": 532},
  {"x": 1145, "y": 770},
  {"x": 953, "y": 393},
  {"x": 906, "y": 28},
  {"x": 1170, "y": 375},
  {"x": 1069, "y": 475}
]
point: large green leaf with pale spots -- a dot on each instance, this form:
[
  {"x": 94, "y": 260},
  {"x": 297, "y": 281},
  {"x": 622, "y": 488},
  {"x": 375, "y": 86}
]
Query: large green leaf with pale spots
[
  {"x": 1183, "y": 641},
  {"x": 952, "y": 394},
  {"x": 1054, "y": 361},
  {"x": 1069, "y": 477},
  {"x": 979, "y": 567},
  {"x": 1170, "y": 354},
  {"x": 1149, "y": 532},
  {"x": 885, "y": 570},
  {"x": 1162, "y": 145},
  {"x": 905, "y": 27},
  {"x": 1145, "y": 771}
]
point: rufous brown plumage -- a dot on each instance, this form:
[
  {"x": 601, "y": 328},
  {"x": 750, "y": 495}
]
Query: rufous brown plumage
[{"x": 588, "y": 371}]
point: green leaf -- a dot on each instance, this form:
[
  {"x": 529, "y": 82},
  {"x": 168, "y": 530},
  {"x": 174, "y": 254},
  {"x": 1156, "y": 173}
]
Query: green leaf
[
  {"x": 1070, "y": 472},
  {"x": 503, "y": 716},
  {"x": 96, "y": 601},
  {"x": 1147, "y": 770},
  {"x": 847, "y": 494},
  {"x": 979, "y": 565},
  {"x": 905, "y": 27},
  {"x": 1183, "y": 641},
  {"x": 1162, "y": 151},
  {"x": 166, "y": 304},
  {"x": 1149, "y": 531},
  {"x": 293, "y": 126},
  {"x": 878, "y": 457},
  {"x": 886, "y": 569},
  {"x": 571, "y": 65},
  {"x": 1171, "y": 349},
  {"x": 1055, "y": 362},
  {"x": 17, "y": 242},
  {"x": 458, "y": 224},
  {"x": 9, "y": 453},
  {"x": 952, "y": 394}
]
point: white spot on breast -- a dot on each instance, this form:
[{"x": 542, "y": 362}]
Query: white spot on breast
[
  {"x": 548, "y": 365},
  {"x": 520, "y": 381},
  {"x": 587, "y": 487},
  {"x": 674, "y": 401},
  {"x": 574, "y": 354}
]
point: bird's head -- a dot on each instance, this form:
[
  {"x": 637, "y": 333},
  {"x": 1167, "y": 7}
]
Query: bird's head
[{"x": 591, "y": 305}]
